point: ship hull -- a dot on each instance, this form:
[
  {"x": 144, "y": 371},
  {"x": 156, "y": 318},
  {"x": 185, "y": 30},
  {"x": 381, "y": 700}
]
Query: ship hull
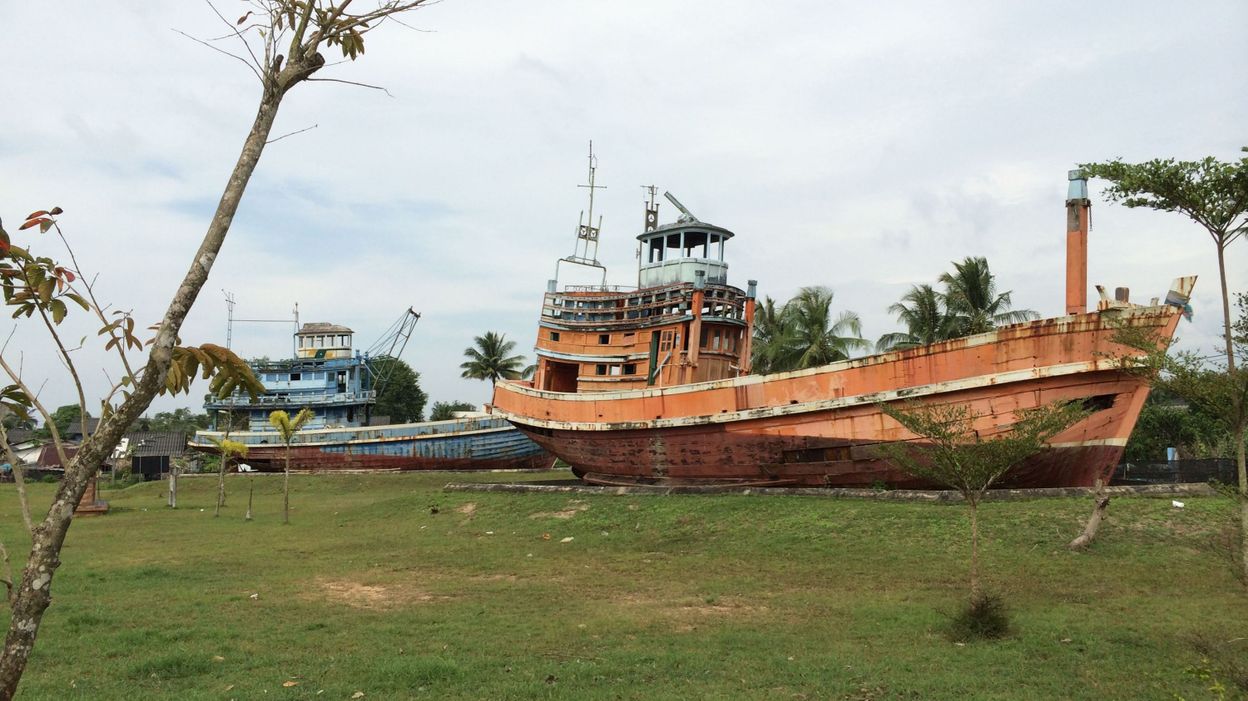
[
  {"x": 483, "y": 443},
  {"x": 824, "y": 426}
]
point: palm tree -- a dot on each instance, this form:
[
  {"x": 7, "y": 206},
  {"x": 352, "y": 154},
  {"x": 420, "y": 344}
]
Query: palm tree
[
  {"x": 488, "y": 360},
  {"x": 972, "y": 301},
  {"x": 772, "y": 338},
  {"x": 286, "y": 430},
  {"x": 922, "y": 310},
  {"x": 817, "y": 338}
]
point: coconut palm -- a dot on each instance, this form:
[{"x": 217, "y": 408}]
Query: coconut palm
[
  {"x": 817, "y": 338},
  {"x": 286, "y": 430},
  {"x": 922, "y": 310},
  {"x": 972, "y": 301},
  {"x": 488, "y": 359},
  {"x": 772, "y": 338}
]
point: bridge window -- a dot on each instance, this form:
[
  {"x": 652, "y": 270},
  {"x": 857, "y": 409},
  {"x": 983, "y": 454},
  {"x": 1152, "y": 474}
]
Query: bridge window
[
  {"x": 554, "y": 335},
  {"x": 630, "y": 369},
  {"x": 656, "y": 249},
  {"x": 604, "y": 338},
  {"x": 695, "y": 244}
]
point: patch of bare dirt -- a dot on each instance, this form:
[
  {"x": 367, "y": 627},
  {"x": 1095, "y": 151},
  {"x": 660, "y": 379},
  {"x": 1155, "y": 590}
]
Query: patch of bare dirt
[
  {"x": 574, "y": 507},
  {"x": 370, "y": 596},
  {"x": 467, "y": 509}
]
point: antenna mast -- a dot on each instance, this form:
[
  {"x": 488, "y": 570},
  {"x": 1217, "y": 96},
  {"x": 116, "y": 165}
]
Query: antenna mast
[
  {"x": 586, "y": 250},
  {"x": 230, "y": 320}
]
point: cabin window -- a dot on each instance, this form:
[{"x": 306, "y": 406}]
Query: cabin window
[
  {"x": 630, "y": 369},
  {"x": 601, "y": 369},
  {"x": 695, "y": 244},
  {"x": 615, "y": 370},
  {"x": 344, "y": 341},
  {"x": 295, "y": 377},
  {"x": 702, "y": 340},
  {"x": 656, "y": 249},
  {"x": 665, "y": 341},
  {"x": 554, "y": 335},
  {"x": 604, "y": 338},
  {"x": 715, "y": 340}
]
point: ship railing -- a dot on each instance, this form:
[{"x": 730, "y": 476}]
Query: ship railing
[
  {"x": 721, "y": 303},
  {"x": 297, "y": 398},
  {"x": 606, "y": 289}
]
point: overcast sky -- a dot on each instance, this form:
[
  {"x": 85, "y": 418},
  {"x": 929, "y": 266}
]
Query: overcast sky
[{"x": 862, "y": 146}]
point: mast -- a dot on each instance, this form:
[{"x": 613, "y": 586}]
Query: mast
[{"x": 585, "y": 252}]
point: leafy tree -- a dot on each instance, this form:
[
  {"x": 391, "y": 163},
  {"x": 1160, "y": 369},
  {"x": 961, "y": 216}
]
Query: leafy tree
[
  {"x": 64, "y": 419},
  {"x": 972, "y": 301},
  {"x": 952, "y": 453},
  {"x": 922, "y": 310},
  {"x": 445, "y": 411},
  {"x": 1218, "y": 390},
  {"x": 400, "y": 397},
  {"x": 1188, "y": 429},
  {"x": 804, "y": 333},
  {"x": 771, "y": 337},
  {"x": 229, "y": 449},
  {"x": 818, "y": 339},
  {"x": 284, "y": 40},
  {"x": 488, "y": 359},
  {"x": 286, "y": 430},
  {"x": 1209, "y": 192},
  {"x": 180, "y": 419}
]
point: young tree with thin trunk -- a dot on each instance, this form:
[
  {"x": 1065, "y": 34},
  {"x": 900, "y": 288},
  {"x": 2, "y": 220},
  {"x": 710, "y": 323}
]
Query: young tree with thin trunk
[
  {"x": 228, "y": 449},
  {"x": 1209, "y": 192},
  {"x": 286, "y": 430},
  {"x": 284, "y": 40},
  {"x": 949, "y": 451}
]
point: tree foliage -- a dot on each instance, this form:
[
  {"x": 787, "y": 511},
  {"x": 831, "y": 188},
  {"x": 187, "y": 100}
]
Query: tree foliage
[
  {"x": 445, "y": 411},
  {"x": 968, "y": 303},
  {"x": 286, "y": 427},
  {"x": 950, "y": 452},
  {"x": 1210, "y": 192},
  {"x": 804, "y": 333},
  {"x": 489, "y": 359},
  {"x": 401, "y": 397},
  {"x": 181, "y": 419}
]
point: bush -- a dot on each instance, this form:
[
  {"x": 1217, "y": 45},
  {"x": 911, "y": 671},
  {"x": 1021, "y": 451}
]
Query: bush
[{"x": 984, "y": 618}]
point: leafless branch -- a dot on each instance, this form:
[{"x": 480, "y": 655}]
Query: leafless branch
[
  {"x": 283, "y": 136},
  {"x": 234, "y": 29},
  {"x": 227, "y": 53},
  {"x": 350, "y": 82}
]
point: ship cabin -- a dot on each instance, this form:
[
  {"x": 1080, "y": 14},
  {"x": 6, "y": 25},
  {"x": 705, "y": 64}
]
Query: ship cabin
[
  {"x": 324, "y": 376},
  {"x": 682, "y": 323}
]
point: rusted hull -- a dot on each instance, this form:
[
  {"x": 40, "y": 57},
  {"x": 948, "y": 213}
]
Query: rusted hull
[
  {"x": 488, "y": 443},
  {"x": 824, "y": 426}
]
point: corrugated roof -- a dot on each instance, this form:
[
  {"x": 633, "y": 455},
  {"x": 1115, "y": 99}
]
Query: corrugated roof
[
  {"x": 48, "y": 457},
  {"x": 146, "y": 444}
]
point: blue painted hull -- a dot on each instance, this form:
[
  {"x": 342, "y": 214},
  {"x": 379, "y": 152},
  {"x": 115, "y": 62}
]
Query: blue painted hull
[{"x": 476, "y": 443}]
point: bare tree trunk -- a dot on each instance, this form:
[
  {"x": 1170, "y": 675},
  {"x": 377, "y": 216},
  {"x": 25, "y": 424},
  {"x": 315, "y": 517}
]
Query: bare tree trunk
[
  {"x": 974, "y": 549},
  {"x": 1242, "y": 469},
  {"x": 251, "y": 492},
  {"x": 1226, "y": 312},
  {"x": 173, "y": 486},
  {"x": 19, "y": 479},
  {"x": 220, "y": 485},
  {"x": 34, "y": 592},
  {"x": 286, "y": 489},
  {"x": 1094, "y": 521}
]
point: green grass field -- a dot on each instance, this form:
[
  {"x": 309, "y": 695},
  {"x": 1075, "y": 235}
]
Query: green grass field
[{"x": 389, "y": 586}]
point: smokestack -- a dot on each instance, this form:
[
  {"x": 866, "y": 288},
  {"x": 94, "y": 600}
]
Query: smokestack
[{"x": 1078, "y": 209}]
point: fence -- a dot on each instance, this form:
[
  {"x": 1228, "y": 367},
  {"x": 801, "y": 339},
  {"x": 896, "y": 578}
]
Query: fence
[{"x": 1176, "y": 471}]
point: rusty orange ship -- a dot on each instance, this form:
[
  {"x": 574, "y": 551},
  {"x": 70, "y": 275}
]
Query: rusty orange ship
[{"x": 653, "y": 384}]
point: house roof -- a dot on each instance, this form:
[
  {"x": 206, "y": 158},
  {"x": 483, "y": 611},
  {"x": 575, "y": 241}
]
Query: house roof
[
  {"x": 20, "y": 435},
  {"x": 48, "y": 456},
  {"x": 146, "y": 444},
  {"x": 75, "y": 427}
]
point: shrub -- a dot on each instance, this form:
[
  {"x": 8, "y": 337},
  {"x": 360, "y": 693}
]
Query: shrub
[{"x": 984, "y": 618}]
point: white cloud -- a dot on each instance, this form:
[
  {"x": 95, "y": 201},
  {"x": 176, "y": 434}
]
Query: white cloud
[{"x": 859, "y": 146}]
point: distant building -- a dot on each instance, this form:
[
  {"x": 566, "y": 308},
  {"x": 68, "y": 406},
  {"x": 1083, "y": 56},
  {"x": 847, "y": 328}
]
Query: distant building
[{"x": 151, "y": 453}]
